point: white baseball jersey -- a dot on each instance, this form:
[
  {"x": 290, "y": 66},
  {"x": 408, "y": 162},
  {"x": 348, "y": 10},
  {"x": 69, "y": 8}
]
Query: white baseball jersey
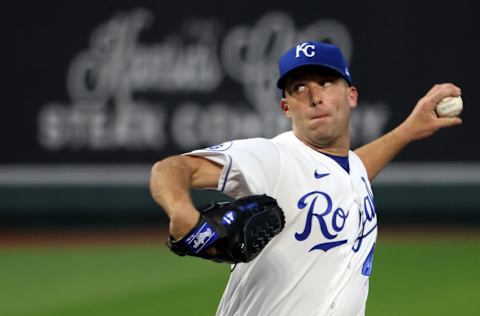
[{"x": 320, "y": 263}]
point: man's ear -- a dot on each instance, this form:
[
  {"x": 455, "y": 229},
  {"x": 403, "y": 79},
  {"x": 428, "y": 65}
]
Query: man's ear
[
  {"x": 352, "y": 96},
  {"x": 284, "y": 106}
]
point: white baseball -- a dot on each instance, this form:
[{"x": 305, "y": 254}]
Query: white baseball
[{"x": 449, "y": 107}]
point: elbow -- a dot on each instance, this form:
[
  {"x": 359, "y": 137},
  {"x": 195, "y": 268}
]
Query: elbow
[
  {"x": 177, "y": 163},
  {"x": 157, "y": 167},
  {"x": 162, "y": 172},
  {"x": 164, "y": 163},
  {"x": 155, "y": 171}
]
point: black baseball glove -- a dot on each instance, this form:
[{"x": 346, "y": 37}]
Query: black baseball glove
[{"x": 238, "y": 230}]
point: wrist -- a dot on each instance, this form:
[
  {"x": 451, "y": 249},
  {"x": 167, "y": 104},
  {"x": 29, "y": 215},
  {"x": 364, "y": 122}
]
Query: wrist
[
  {"x": 183, "y": 221},
  {"x": 402, "y": 134}
]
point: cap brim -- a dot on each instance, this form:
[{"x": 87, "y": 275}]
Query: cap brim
[{"x": 282, "y": 80}]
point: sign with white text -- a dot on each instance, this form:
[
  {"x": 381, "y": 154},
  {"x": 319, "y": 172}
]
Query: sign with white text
[{"x": 112, "y": 84}]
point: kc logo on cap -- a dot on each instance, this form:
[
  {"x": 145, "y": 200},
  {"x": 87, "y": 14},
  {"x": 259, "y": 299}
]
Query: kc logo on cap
[{"x": 304, "y": 48}]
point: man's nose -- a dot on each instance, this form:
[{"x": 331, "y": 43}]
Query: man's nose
[{"x": 315, "y": 94}]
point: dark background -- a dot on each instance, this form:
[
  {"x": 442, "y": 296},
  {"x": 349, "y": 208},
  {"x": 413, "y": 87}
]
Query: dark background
[{"x": 400, "y": 49}]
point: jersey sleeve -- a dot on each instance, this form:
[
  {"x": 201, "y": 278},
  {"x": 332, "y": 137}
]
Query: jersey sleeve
[{"x": 250, "y": 166}]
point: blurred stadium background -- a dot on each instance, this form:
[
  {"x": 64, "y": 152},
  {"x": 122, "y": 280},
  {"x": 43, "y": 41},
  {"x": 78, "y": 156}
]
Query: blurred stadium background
[{"x": 103, "y": 90}]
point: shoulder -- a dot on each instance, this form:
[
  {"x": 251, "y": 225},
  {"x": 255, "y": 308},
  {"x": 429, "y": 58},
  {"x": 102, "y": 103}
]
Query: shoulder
[
  {"x": 249, "y": 144},
  {"x": 252, "y": 149},
  {"x": 251, "y": 166},
  {"x": 287, "y": 137}
]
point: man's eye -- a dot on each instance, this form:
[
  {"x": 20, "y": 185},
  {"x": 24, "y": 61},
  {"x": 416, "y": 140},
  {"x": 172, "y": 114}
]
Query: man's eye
[
  {"x": 326, "y": 83},
  {"x": 299, "y": 87}
]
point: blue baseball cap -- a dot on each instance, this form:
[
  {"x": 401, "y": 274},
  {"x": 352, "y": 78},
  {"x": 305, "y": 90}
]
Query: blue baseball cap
[{"x": 312, "y": 53}]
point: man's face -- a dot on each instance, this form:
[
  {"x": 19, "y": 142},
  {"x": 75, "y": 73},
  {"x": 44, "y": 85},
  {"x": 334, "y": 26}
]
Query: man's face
[{"x": 319, "y": 102}]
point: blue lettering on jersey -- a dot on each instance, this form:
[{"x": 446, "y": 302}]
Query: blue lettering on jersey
[
  {"x": 370, "y": 214},
  {"x": 332, "y": 222},
  {"x": 330, "y": 226}
]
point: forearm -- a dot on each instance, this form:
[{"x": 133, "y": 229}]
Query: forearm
[
  {"x": 421, "y": 123},
  {"x": 170, "y": 183},
  {"x": 378, "y": 153}
]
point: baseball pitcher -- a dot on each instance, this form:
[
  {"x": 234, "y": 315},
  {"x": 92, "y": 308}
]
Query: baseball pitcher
[{"x": 301, "y": 232}]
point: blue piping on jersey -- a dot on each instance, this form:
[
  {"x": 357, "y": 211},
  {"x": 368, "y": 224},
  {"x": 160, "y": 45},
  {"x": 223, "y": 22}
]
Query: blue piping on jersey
[
  {"x": 226, "y": 174},
  {"x": 367, "y": 265}
]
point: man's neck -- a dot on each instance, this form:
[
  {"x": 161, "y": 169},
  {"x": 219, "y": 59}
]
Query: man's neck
[{"x": 336, "y": 148}]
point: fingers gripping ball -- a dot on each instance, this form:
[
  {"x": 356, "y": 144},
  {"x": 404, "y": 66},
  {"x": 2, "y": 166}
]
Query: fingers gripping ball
[
  {"x": 449, "y": 107},
  {"x": 239, "y": 230}
]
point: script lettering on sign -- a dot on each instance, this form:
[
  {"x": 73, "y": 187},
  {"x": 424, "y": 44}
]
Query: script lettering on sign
[{"x": 127, "y": 94}]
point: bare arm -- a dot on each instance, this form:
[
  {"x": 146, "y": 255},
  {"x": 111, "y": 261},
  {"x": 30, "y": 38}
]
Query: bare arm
[
  {"x": 170, "y": 182},
  {"x": 421, "y": 123}
]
